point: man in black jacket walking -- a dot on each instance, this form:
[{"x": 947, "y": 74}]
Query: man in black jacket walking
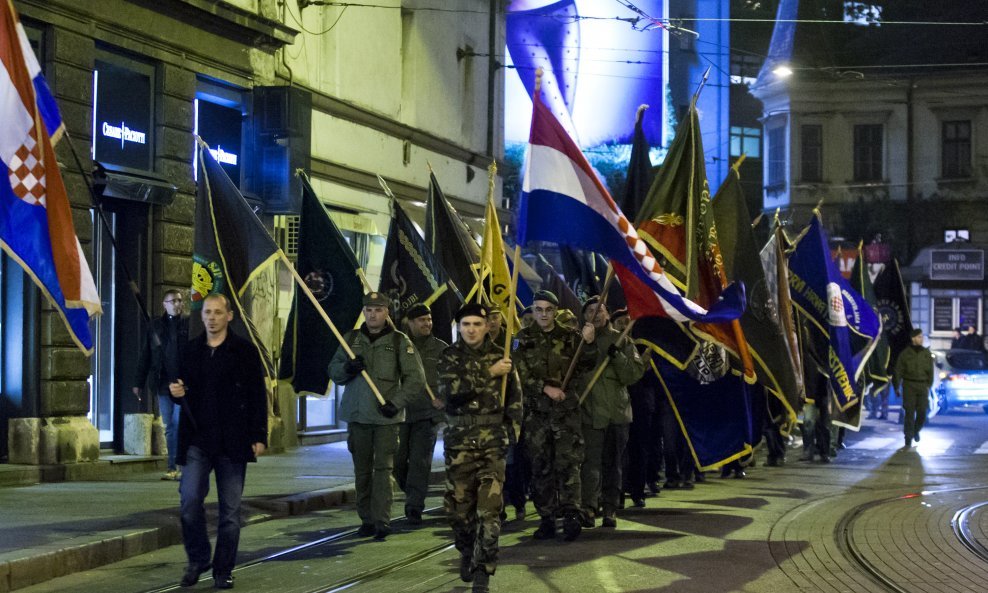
[
  {"x": 221, "y": 389},
  {"x": 161, "y": 355}
]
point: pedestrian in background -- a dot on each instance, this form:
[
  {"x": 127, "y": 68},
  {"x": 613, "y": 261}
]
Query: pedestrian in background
[
  {"x": 220, "y": 387},
  {"x": 158, "y": 364}
]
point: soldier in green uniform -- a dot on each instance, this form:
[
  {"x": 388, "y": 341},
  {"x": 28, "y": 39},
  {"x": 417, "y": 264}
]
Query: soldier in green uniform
[
  {"x": 481, "y": 426},
  {"x": 417, "y": 434},
  {"x": 389, "y": 358},
  {"x": 913, "y": 377},
  {"x": 606, "y": 414},
  {"x": 552, "y": 417}
]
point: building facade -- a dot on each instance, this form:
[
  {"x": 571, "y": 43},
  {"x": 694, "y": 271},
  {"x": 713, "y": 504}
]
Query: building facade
[{"x": 342, "y": 92}]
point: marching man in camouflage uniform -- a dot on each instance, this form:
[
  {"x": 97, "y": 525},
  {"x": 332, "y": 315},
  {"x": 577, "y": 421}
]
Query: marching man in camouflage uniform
[
  {"x": 913, "y": 377},
  {"x": 389, "y": 358},
  {"x": 471, "y": 372},
  {"x": 552, "y": 417},
  {"x": 606, "y": 416},
  {"x": 417, "y": 434}
]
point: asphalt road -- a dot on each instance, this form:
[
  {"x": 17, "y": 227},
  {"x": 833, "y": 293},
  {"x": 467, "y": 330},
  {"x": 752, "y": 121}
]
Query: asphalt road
[{"x": 876, "y": 519}]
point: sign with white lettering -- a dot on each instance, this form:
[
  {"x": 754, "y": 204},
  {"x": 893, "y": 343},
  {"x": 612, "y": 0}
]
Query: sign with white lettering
[
  {"x": 122, "y": 116},
  {"x": 221, "y": 128},
  {"x": 957, "y": 264}
]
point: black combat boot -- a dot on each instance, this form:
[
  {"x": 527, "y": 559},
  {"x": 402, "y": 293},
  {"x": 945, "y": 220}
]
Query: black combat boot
[
  {"x": 481, "y": 581},
  {"x": 546, "y": 530},
  {"x": 571, "y": 527},
  {"x": 466, "y": 568}
]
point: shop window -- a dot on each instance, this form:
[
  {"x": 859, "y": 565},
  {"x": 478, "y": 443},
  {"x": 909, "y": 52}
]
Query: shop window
[
  {"x": 219, "y": 121},
  {"x": 811, "y": 153},
  {"x": 868, "y": 144},
  {"x": 123, "y": 112},
  {"x": 956, "y": 149},
  {"x": 949, "y": 312}
]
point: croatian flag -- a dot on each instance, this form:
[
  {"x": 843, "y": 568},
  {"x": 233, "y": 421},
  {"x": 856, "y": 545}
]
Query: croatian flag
[
  {"x": 564, "y": 202},
  {"x": 36, "y": 227}
]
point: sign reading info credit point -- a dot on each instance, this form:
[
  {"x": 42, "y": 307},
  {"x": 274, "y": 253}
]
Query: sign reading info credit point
[{"x": 957, "y": 264}]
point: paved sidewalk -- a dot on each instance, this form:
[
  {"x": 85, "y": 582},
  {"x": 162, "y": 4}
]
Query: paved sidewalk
[{"x": 57, "y": 528}]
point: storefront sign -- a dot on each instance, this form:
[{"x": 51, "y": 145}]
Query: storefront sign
[
  {"x": 221, "y": 127},
  {"x": 122, "y": 116},
  {"x": 957, "y": 264}
]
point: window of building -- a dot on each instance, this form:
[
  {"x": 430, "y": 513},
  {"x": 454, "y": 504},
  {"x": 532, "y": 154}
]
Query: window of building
[
  {"x": 123, "y": 112},
  {"x": 956, "y": 151},
  {"x": 746, "y": 141},
  {"x": 811, "y": 152},
  {"x": 955, "y": 235},
  {"x": 868, "y": 144},
  {"x": 744, "y": 68},
  {"x": 777, "y": 156}
]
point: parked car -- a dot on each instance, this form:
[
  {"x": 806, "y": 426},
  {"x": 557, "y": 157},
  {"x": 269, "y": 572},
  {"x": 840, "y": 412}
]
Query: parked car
[{"x": 961, "y": 378}]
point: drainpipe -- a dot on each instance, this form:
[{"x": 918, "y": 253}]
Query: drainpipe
[
  {"x": 910, "y": 149},
  {"x": 491, "y": 73}
]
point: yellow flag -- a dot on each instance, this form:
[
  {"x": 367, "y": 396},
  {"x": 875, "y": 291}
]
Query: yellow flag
[{"x": 495, "y": 277}]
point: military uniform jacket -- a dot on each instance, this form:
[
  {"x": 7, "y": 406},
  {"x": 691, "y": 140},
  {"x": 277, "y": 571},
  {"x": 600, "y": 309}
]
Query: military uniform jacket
[
  {"x": 542, "y": 358},
  {"x": 608, "y": 401},
  {"x": 391, "y": 364},
  {"x": 477, "y": 420},
  {"x": 429, "y": 348},
  {"x": 914, "y": 367}
]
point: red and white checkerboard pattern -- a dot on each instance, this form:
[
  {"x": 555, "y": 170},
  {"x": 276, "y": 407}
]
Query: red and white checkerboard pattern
[{"x": 26, "y": 172}]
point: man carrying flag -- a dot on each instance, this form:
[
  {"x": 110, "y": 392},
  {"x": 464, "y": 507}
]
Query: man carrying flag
[{"x": 36, "y": 227}]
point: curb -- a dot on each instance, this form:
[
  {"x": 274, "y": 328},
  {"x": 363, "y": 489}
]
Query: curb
[{"x": 31, "y": 566}]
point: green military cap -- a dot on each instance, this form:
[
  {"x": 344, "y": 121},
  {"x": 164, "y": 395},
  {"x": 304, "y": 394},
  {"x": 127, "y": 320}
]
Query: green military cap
[
  {"x": 418, "y": 310},
  {"x": 376, "y": 299},
  {"x": 546, "y": 295},
  {"x": 915, "y": 332},
  {"x": 472, "y": 310}
]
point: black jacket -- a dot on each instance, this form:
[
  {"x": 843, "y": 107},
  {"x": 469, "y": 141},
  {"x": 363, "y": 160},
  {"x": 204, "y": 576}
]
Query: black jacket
[
  {"x": 226, "y": 398},
  {"x": 151, "y": 363}
]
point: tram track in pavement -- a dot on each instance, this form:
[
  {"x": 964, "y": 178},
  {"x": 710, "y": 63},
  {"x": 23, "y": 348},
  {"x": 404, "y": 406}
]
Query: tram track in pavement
[
  {"x": 961, "y": 525},
  {"x": 344, "y": 583}
]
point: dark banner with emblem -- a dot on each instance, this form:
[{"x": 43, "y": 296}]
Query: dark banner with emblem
[
  {"x": 760, "y": 320},
  {"x": 449, "y": 239},
  {"x": 329, "y": 267},
  {"x": 893, "y": 307},
  {"x": 876, "y": 373},
  {"x": 410, "y": 275},
  {"x": 712, "y": 407},
  {"x": 231, "y": 248}
]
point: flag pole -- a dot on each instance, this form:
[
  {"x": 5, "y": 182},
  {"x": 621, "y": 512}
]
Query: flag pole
[
  {"x": 95, "y": 203},
  {"x": 418, "y": 357},
  {"x": 603, "y": 365},
  {"x": 511, "y": 310},
  {"x": 329, "y": 322},
  {"x": 579, "y": 347}
]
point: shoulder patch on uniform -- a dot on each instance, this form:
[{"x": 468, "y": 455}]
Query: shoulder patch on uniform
[{"x": 410, "y": 349}]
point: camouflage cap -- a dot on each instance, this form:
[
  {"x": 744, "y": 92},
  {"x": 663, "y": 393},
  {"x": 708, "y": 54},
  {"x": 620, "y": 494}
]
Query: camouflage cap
[
  {"x": 418, "y": 310},
  {"x": 546, "y": 295},
  {"x": 376, "y": 299},
  {"x": 471, "y": 310}
]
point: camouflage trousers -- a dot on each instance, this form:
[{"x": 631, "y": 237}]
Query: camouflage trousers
[
  {"x": 555, "y": 447},
  {"x": 473, "y": 502}
]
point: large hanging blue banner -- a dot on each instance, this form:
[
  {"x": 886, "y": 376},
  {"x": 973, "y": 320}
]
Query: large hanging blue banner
[{"x": 836, "y": 315}]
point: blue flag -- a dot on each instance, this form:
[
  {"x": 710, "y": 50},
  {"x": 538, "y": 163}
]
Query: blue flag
[{"x": 836, "y": 314}]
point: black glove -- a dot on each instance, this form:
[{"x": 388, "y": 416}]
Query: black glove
[
  {"x": 460, "y": 399},
  {"x": 613, "y": 350},
  {"x": 388, "y": 409},
  {"x": 354, "y": 366}
]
